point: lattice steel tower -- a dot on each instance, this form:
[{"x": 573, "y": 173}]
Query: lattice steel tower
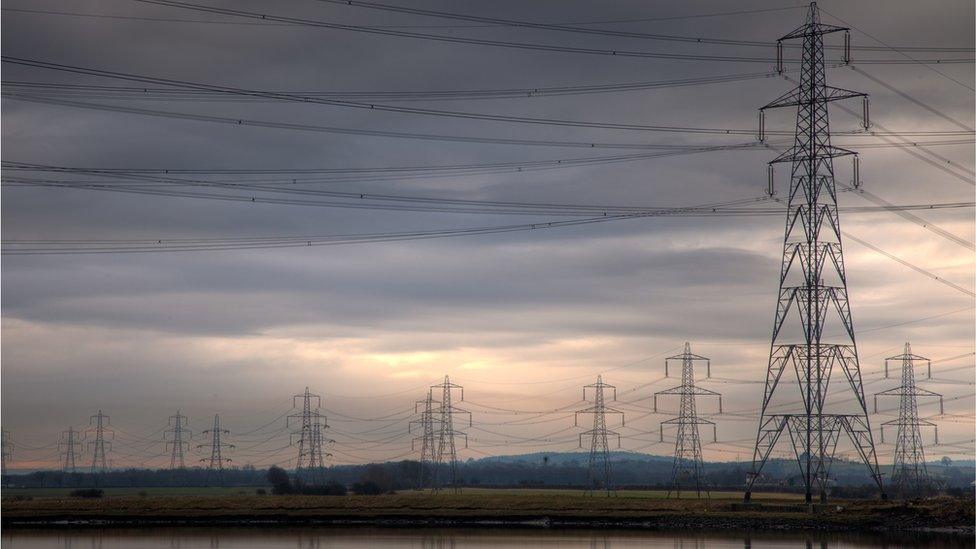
[
  {"x": 428, "y": 442},
  {"x": 69, "y": 446},
  {"x": 813, "y": 288},
  {"x": 6, "y": 451},
  {"x": 101, "y": 422},
  {"x": 446, "y": 446},
  {"x": 215, "y": 467},
  {"x": 176, "y": 432},
  {"x": 598, "y": 471},
  {"x": 909, "y": 475},
  {"x": 311, "y": 458},
  {"x": 688, "y": 468}
]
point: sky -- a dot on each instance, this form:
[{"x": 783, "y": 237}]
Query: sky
[{"x": 521, "y": 319}]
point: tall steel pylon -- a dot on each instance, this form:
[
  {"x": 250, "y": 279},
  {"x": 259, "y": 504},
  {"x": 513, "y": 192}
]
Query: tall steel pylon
[
  {"x": 446, "y": 433},
  {"x": 813, "y": 288},
  {"x": 909, "y": 475},
  {"x": 69, "y": 446},
  {"x": 311, "y": 457},
  {"x": 100, "y": 422},
  {"x": 6, "y": 452},
  {"x": 215, "y": 467},
  {"x": 688, "y": 467},
  {"x": 598, "y": 471},
  {"x": 427, "y": 439},
  {"x": 176, "y": 431}
]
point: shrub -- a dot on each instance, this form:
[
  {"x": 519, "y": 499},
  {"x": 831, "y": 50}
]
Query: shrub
[
  {"x": 261, "y": 491},
  {"x": 280, "y": 483}
]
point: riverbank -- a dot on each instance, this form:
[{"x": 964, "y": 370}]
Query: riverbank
[{"x": 487, "y": 509}]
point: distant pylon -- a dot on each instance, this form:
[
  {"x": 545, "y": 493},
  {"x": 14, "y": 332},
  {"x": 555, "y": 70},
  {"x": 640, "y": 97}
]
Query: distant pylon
[
  {"x": 69, "y": 446},
  {"x": 909, "y": 476},
  {"x": 6, "y": 452},
  {"x": 813, "y": 292},
  {"x": 101, "y": 422},
  {"x": 446, "y": 446},
  {"x": 318, "y": 436},
  {"x": 428, "y": 441},
  {"x": 176, "y": 432},
  {"x": 598, "y": 472},
  {"x": 311, "y": 457},
  {"x": 688, "y": 467},
  {"x": 216, "y": 466}
]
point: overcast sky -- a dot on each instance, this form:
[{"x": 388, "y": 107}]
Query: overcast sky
[{"x": 521, "y": 319}]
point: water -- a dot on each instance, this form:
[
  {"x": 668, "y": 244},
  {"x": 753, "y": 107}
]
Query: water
[{"x": 481, "y": 538}]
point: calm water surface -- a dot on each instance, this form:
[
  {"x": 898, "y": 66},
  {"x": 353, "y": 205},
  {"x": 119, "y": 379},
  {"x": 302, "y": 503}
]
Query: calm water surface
[{"x": 382, "y": 538}]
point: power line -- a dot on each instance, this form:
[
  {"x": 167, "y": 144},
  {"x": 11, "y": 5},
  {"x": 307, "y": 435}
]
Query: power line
[
  {"x": 224, "y": 22},
  {"x": 122, "y": 92},
  {"x": 910, "y": 265},
  {"x": 176, "y": 115},
  {"x": 346, "y": 103},
  {"x": 913, "y": 100},
  {"x": 901, "y": 50},
  {"x": 482, "y": 42},
  {"x": 860, "y": 192},
  {"x": 523, "y": 24}
]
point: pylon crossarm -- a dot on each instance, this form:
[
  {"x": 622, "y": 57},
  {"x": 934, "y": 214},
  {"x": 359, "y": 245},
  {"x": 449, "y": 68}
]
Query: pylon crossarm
[
  {"x": 798, "y": 154},
  {"x": 696, "y": 390},
  {"x": 925, "y": 392},
  {"x": 688, "y": 356},
  {"x": 813, "y": 29},
  {"x": 794, "y": 98},
  {"x": 672, "y": 391}
]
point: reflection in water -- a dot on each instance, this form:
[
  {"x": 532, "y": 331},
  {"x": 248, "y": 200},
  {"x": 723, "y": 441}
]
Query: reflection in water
[{"x": 446, "y": 538}]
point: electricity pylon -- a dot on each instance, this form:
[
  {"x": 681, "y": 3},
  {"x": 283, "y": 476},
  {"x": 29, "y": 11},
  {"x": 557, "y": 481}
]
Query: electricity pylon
[
  {"x": 446, "y": 446},
  {"x": 101, "y": 422},
  {"x": 318, "y": 437},
  {"x": 813, "y": 288},
  {"x": 177, "y": 431},
  {"x": 428, "y": 442},
  {"x": 909, "y": 475},
  {"x": 688, "y": 465},
  {"x": 311, "y": 459},
  {"x": 69, "y": 446},
  {"x": 216, "y": 466},
  {"x": 6, "y": 452},
  {"x": 598, "y": 471}
]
